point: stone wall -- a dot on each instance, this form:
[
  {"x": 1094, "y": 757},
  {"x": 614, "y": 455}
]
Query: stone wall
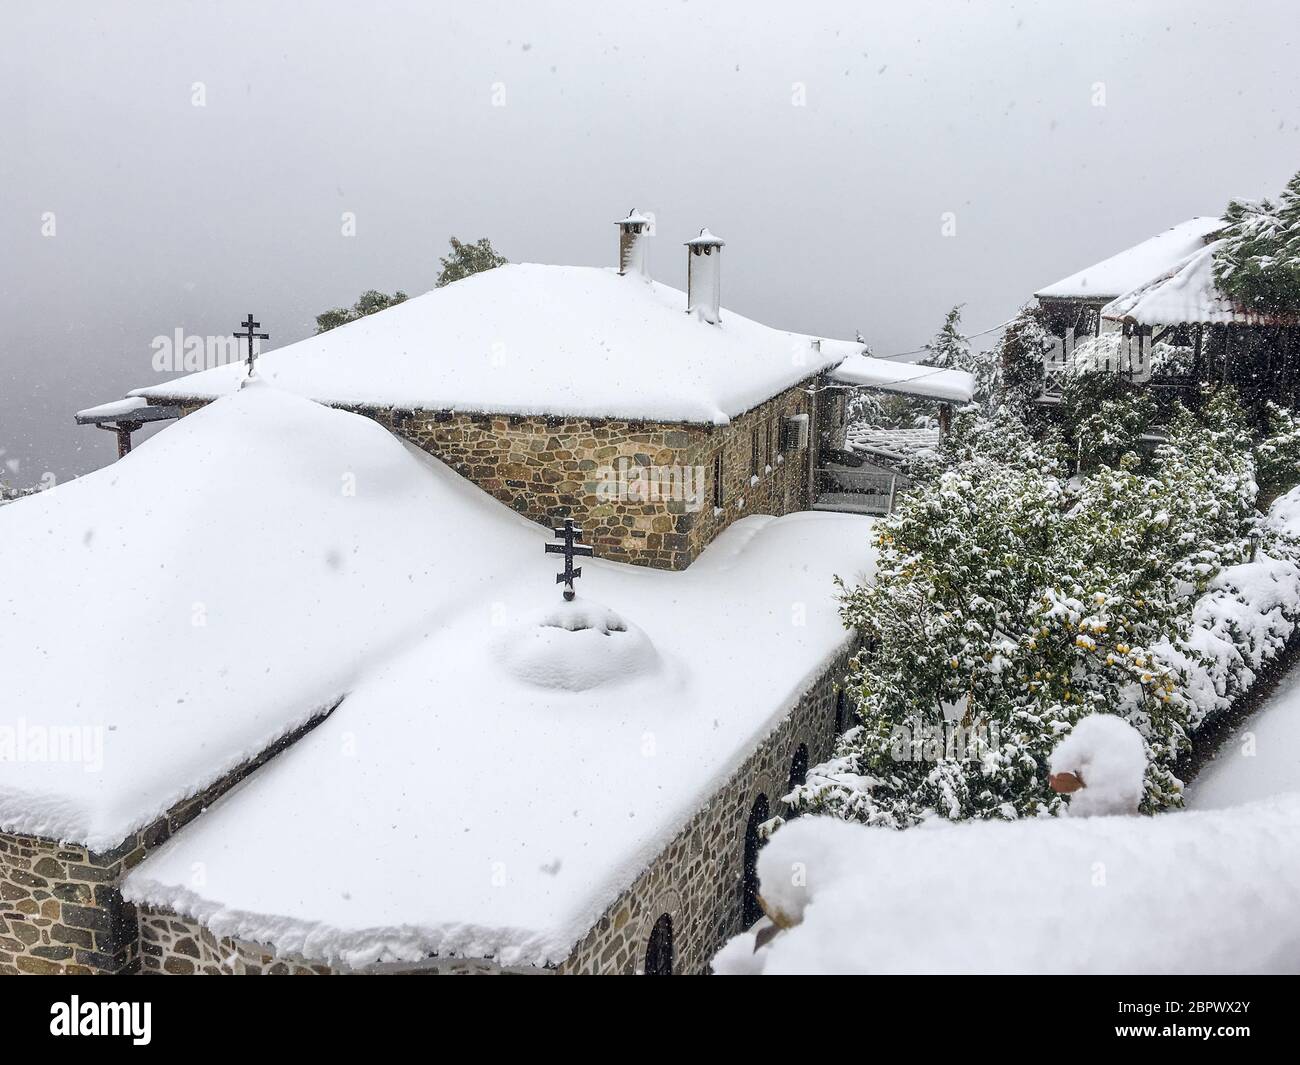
[
  {"x": 550, "y": 468},
  {"x": 697, "y": 880},
  {"x": 61, "y": 907},
  {"x": 180, "y": 946}
]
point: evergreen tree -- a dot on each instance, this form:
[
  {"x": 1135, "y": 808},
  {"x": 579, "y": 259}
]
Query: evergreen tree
[
  {"x": 369, "y": 302},
  {"x": 1259, "y": 262},
  {"x": 949, "y": 349},
  {"x": 1019, "y": 359},
  {"x": 1277, "y": 455},
  {"x": 1105, "y": 416},
  {"x": 467, "y": 259},
  {"x": 1009, "y": 600}
]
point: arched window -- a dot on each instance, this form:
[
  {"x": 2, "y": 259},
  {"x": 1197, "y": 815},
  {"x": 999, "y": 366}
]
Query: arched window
[
  {"x": 750, "y": 910},
  {"x": 843, "y": 712},
  {"x": 659, "y": 950},
  {"x": 799, "y": 767}
]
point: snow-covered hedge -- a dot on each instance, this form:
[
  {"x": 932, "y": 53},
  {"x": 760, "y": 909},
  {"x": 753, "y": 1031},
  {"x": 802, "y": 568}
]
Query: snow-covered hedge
[
  {"x": 1238, "y": 627},
  {"x": 1011, "y": 599}
]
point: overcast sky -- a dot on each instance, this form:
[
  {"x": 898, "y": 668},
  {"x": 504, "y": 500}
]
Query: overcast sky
[{"x": 823, "y": 141}]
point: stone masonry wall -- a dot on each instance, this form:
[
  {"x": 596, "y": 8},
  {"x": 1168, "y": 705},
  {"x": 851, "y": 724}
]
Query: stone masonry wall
[
  {"x": 61, "y": 907},
  {"x": 550, "y": 468},
  {"x": 697, "y": 879}
]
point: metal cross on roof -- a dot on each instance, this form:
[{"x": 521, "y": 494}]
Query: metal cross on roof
[
  {"x": 570, "y": 549},
  {"x": 250, "y": 336}
]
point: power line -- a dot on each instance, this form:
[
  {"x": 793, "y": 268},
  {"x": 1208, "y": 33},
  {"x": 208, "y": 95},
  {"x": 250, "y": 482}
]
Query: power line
[{"x": 972, "y": 336}]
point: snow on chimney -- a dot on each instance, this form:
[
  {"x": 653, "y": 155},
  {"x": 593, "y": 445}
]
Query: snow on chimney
[
  {"x": 703, "y": 276},
  {"x": 633, "y": 236}
]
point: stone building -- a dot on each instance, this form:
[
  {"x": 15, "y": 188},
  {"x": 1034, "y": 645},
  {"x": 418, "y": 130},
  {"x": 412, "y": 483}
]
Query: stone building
[{"x": 441, "y": 765}]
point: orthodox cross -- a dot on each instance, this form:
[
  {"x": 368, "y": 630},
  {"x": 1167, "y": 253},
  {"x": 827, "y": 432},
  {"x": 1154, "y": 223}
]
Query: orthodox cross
[
  {"x": 250, "y": 336},
  {"x": 570, "y": 549}
]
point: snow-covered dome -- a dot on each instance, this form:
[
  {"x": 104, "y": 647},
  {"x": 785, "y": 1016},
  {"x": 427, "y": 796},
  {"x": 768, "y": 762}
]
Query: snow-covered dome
[
  {"x": 575, "y": 646},
  {"x": 1101, "y": 765}
]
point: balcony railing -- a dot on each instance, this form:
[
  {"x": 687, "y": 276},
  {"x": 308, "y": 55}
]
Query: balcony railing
[{"x": 855, "y": 491}]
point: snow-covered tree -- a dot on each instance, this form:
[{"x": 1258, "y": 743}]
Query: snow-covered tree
[
  {"x": 949, "y": 349},
  {"x": 1105, "y": 416},
  {"x": 1277, "y": 455},
  {"x": 1018, "y": 363},
  {"x": 1259, "y": 264},
  {"x": 368, "y": 302},
  {"x": 1010, "y": 600},
  {"x": 466, "y": 259}
]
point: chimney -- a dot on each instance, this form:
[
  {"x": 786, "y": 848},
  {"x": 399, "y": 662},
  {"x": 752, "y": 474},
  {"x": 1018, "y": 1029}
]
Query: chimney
[
  {"x": 703, "y": 280},
  {"x": 633, "y": 235}
]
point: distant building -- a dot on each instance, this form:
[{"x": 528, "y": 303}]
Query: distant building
[{"x": 1155, "y": 314}]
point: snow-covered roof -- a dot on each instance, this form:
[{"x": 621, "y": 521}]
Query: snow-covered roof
[
  {"x": 531, "y": 339},
  {"x": 1136, "y": 265},
  {"x": 220, "y": 585},
  {"x": 1186, "y": 892},
  {"x": 266, "y": 557},
  {"x": 1186, "y": 294},
  {"x": 909, "y": 378},
  {"x": 481, "y": 815},
  {"x": 893, "y": 444},
  {"x": 117, "y": 408}
]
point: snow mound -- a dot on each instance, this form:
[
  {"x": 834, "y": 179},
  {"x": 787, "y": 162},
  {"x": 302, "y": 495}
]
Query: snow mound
[
  {"x": 1188, "y": 892},
  {"x": 1108, "y": 756},
  {"x": 577, "y": 646}
]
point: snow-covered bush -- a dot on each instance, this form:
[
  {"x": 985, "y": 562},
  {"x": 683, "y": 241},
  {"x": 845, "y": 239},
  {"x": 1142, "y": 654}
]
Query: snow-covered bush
[
  {"x": 1019, "y": 359},
  {"x": 1105, "y": 415},
  {"x": 1277, "y": 455},
  {"x": 1010, "y": 600}
]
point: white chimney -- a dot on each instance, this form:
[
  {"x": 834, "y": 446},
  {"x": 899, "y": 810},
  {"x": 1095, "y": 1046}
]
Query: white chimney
[
  {"x": 633, "y": 236},
  {"x": 703, "y": 276}
]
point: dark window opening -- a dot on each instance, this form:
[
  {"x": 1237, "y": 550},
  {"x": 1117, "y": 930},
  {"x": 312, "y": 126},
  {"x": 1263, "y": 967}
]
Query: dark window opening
[
  {"x": 799, "y": 767},
  {"x": 841, "y": 712},
  {"x": 659, "y": 951},
  {"x": 750, "y": 910},
  {"x": 753, "y": 452},
  {"x": 719, "y": 496}
]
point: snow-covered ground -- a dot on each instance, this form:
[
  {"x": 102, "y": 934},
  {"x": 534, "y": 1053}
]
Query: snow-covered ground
[
  {"x": 1261, "y": 758},
  {"x": 501, "y": 765},
  {"x": 1204, "y": 892}
]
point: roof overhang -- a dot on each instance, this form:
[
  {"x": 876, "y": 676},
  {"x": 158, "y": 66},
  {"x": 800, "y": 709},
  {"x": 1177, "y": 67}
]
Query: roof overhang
[{"x": 131, "y": 410}]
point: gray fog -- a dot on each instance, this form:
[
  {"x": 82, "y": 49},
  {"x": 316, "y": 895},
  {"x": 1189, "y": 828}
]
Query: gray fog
[{"x": 175, "y": 165}]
